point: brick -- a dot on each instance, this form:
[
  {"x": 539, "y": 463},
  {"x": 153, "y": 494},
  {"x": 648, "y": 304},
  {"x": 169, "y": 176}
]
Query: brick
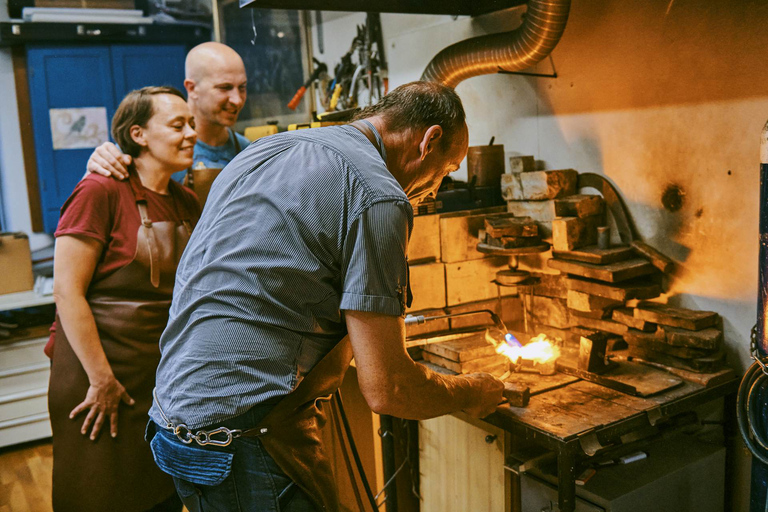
[
  {"x": 570, "y": 233},
  {"x": 522, "y": 164},
  {"x": 640, "y": 288},
  {"x": 459, "y": 233},
  {"x": 626, "y": 316},
  {"x": 474, "y": 280},
  {"x": 428, "y": 286},
  {"x": 499, "y": 226},
  {"x": 424, "y": 244},
  {"x": 539, "y": 185},
  {"x": 543, "y": 212},
  {"x": 676, "y": 317},
  {"x": 585, "y": 302},
  {"x": 579, "y": 205},
  {"x": 548, "y": 311}
]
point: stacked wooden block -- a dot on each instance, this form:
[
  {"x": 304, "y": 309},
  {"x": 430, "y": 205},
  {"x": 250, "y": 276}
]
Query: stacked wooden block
[
  {"x": 466, "y": 353},
  {"x": 449, "y": 275}
]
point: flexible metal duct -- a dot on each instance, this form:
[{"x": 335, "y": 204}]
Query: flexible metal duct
[{"x": 522, "y": 48}]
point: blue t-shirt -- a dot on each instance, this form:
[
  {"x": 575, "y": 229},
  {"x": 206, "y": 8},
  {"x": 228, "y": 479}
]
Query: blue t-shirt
[{"x": 215, "y": 157}]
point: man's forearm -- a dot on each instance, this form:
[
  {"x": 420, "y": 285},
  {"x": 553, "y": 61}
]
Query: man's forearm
[{"x": 418, "y": 393}]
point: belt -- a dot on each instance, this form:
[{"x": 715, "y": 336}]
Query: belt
[{"x": 209, "y": 436}]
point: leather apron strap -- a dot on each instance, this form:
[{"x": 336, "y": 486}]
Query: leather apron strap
[{"x": 293, "y": 435}]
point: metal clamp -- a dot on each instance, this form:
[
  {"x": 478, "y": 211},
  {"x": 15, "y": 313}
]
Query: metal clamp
[
  {"x": 753, "y": 350},
  {"x": 204, "y": 438}
]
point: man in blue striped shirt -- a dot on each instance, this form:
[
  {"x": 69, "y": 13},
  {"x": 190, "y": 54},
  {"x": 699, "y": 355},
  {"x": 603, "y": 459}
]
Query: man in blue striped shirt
[{"x": 303, "y": 241}]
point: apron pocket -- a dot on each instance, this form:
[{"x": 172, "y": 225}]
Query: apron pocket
[{"x": 190, "y": 463}]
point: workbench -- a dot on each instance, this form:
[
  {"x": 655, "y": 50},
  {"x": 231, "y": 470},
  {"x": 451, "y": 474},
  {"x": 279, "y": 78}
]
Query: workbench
[{"x": 580, "y": 418}]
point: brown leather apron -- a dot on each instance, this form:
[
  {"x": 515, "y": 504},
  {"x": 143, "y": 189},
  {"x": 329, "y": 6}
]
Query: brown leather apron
[
  {"x": 293, "y": 436},
  {"x": 130, "y": 308},
  {"x": 200, "y": 180}
]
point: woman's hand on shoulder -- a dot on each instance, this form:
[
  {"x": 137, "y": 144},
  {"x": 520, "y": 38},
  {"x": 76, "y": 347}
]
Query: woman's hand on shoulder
[{"x": 102, "y": 401}]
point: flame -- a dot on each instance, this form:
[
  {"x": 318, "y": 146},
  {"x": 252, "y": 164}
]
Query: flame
[{"x": 539, "y": 350}]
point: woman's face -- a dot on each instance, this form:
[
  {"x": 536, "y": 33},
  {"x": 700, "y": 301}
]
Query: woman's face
[{"x": 169, "y": 136}]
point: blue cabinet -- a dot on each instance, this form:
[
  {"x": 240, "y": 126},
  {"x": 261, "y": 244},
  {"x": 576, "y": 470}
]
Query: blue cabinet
[{"x": 90, "y": 78}]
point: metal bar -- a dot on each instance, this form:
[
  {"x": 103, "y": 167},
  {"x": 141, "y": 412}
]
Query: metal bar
[
  {"x": 388, "y": 460},
  {"x": 566, "y": 477}
]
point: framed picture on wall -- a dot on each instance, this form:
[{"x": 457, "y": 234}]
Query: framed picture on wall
[{"x": 274, "y": 49}]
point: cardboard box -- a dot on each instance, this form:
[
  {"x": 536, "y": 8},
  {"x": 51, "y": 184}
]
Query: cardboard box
[{"x": 15, "y": 263}]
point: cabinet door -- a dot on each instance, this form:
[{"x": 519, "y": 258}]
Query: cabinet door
[
  {"x": 69, "y": 78},
  {"x": 136, "y": 66}
]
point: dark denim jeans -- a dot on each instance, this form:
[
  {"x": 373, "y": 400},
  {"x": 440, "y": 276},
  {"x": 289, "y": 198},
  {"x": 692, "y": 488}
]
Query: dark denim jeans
[{"x": 241, "y": 477}]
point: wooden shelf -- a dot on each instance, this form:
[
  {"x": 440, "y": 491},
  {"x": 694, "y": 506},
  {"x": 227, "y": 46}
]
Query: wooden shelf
[
  {"x": 23, "y": 33},
  {"x": 23, "y": 300},
  {"x": 453, "y": 7}
]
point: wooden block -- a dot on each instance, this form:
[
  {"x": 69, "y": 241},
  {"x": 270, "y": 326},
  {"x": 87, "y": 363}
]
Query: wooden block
[
  {"x": 570, "y": 233},
  {"x": 459, "y": 233},
  {"x": 474, "y": 280},
  {"x": 709, "y": 339},
  {"x": 658, "y": 260},
  {"x": 579, "y": 205},
  {"x": 518, "y": 395},
  {"x": 703, "y": 379},
  {"x": 676, "y": 317},
  {"x": 548, "y": 311},
  {"x": 626, "y": 317},
  {"x": 543, "y": 212},
  {"x": 539, "y": 185},
  {"x": 508, "y": 308},
  {"x": 427, "y": 327},
  {"x": 509, "y": 242},
  {"x": 428, "y": 286},
  {"x": 601, "y": 325},
  {"x": 545, "y": 285},
  {"x": 424, "y": 245},
  {"x": 522, "y": 164},
  {"x": 464, "y": 349},
  {"x": 708, "y": 364},
  {"x": 641, "y": 288},
  {"x": 507, "y": 224},
  {"x": 584, "y": 302},
  {"x": 595, "y": 255},
  {"x": 483, "y": 364},
  {"x": 655, "y": 342},
  {"x": 600, "y": 314},
  {"x": 612, "y": 273}
]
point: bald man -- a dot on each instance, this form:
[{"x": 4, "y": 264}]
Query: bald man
[{"x": 216, "y": 89}]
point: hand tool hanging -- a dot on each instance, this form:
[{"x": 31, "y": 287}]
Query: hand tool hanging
[{"x": 320, "y": 68}]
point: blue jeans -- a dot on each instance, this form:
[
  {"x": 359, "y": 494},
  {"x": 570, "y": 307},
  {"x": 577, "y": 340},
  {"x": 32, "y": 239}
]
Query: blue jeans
[{"x": 241, "y": 477}]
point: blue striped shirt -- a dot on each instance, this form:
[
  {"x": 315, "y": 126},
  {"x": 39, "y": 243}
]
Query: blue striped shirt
[{"x": 297, "y": 228}]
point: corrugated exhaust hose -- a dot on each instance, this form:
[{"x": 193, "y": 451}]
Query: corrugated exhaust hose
[{"x": 532, "y": 42}]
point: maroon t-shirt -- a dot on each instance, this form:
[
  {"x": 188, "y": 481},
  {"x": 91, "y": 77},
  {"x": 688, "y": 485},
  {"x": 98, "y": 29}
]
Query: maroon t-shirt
[{"x": 105, "y": 209}]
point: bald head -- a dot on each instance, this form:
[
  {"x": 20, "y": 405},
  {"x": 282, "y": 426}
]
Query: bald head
[
  {"x": 216, "y": 85},
  {"x": 209, "y": 58}
]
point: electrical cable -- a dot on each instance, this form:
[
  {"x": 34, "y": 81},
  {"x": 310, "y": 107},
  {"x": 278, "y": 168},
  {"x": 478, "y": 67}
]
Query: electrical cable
[{"x": 353, "y": 448}]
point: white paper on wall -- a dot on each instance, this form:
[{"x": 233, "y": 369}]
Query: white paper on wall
[{"x": 74, "y": 128}]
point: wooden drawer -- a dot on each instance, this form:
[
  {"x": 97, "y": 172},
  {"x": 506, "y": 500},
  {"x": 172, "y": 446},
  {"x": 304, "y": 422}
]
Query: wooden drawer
[
  {"x": 26, "y": 403},
  {"x": 22, "y": 353},
  {"x": 24, "y": 378},
  {"x": 21, "y": 430}
]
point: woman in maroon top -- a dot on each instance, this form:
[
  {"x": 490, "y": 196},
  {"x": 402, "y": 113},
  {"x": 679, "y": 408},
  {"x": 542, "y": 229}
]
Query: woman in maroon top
[{"x": 118, "y": 244}]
